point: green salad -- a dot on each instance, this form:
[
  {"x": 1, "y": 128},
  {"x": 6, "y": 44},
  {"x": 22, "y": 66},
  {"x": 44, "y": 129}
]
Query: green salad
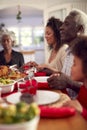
[
  {"x": 20, "y": 112},
  {"x": 4, "y": 81}
]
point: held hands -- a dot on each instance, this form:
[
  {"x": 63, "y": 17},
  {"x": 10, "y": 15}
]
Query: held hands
[
  {"x": 41, "y": 67},
  {"x": 32, "y": 64}
]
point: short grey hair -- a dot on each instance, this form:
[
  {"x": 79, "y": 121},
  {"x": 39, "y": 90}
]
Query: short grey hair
[
  {"x": 7, "y": 34},
  {"x": 80, "y": 17}
]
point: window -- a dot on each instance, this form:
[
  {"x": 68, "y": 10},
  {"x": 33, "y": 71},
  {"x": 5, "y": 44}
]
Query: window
[
  {"x": 15, "y": 30},
  {"x": 38, "y": 35},
  {"x": 60, "y": 13},
  {"x": 28, "y": 36}
]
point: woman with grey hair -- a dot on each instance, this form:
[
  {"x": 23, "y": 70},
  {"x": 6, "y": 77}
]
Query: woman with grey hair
[{"x": 8, "y": 56}]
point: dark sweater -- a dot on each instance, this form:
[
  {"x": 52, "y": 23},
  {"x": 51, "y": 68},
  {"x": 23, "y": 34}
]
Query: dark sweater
[{"x": 17, "y": 58}]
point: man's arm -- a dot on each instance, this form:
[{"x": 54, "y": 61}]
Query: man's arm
[{"x": 61, "y": 81}]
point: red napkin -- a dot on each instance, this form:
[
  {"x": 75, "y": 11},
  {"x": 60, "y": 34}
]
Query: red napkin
[
  {"x": 40, "y": 74},
  {"x": 54, "y": 112},
  {"x": 42, "y": 86}
]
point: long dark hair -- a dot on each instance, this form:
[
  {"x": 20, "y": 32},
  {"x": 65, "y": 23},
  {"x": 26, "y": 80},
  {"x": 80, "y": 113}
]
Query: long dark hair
[{"x": 55, "y": 25}]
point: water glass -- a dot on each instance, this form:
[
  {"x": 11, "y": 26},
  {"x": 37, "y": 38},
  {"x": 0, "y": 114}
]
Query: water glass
[{"x": 21, "y": 85}]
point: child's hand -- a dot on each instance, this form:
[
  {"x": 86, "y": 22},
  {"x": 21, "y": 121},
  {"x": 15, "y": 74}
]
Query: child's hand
[{"x": 75, "y": 104}]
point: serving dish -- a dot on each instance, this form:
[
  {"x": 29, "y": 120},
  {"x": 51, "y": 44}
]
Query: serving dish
[
  {"x": 9, "y": 87},
  {"x": 21, "y": 116},
  {"x": 29, "y": 125}
]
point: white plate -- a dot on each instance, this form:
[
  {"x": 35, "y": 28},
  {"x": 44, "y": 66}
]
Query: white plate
[
  {"x": 47, "y": 97},
  {"x": 14, "y": 98},
  {"x": 43, "y": 97},
  {"x": 41, "y": 79}
]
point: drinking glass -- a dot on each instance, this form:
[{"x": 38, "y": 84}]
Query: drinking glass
[
  {"x": 32, "y": 83},
  {"x": 21, "y": 85},
  {"x": 30, "y": 76}
]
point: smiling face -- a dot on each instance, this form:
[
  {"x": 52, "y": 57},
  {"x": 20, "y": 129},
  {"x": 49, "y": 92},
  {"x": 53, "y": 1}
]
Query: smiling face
[
  {"x": 69, "y": 29},
  {"x": 49, "y": 35},
  {"x": 77, "y": 70}
]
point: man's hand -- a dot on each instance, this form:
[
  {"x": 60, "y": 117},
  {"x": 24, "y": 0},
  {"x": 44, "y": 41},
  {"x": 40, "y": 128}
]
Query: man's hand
[
  {"x": 62, "y": 81},
  {"x": 58, "y": 81}
]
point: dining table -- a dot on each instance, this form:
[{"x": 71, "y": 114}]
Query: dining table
[
  {"x": 71, "y": 122},
  {"x": 75, "y": 122}
]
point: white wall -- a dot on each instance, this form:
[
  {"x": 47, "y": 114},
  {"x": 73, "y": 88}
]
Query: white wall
[{"x": 59, "y": 2}]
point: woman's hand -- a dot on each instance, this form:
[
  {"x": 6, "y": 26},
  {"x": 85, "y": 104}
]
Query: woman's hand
[{"x": 41, "y": 67}]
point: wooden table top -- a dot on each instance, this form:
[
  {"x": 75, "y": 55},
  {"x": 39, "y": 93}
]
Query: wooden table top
[{"x": 75, "y": 122}]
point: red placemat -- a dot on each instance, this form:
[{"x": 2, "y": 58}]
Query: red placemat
[
  {"x": 43, "y": 86},
  {"x": 40, "y": 74},
  {"x": 54, "y": 112}
]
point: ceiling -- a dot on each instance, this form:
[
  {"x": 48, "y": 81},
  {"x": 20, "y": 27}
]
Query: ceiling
[{"x": 25, "y": 10}]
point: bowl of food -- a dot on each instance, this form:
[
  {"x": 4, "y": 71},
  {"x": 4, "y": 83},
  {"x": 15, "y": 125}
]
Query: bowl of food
[
  {"x": 21, "y": 116},
  {"x": 7, "y": 85}
]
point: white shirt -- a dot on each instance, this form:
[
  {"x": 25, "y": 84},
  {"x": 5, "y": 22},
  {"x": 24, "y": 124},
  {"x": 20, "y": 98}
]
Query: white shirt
[
  {"x": 68, "y": 62},
  {"x": 67, "y": 70},
  {"x": 58, "y": 61}
]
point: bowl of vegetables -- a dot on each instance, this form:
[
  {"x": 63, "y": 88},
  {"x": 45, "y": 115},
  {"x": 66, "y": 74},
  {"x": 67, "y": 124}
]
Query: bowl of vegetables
[
  {"x": 6, "y": 85},
  {"x": 21, "y": 116}
]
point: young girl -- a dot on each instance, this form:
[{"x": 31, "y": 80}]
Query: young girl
[{"x": 79, "y": 73}]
